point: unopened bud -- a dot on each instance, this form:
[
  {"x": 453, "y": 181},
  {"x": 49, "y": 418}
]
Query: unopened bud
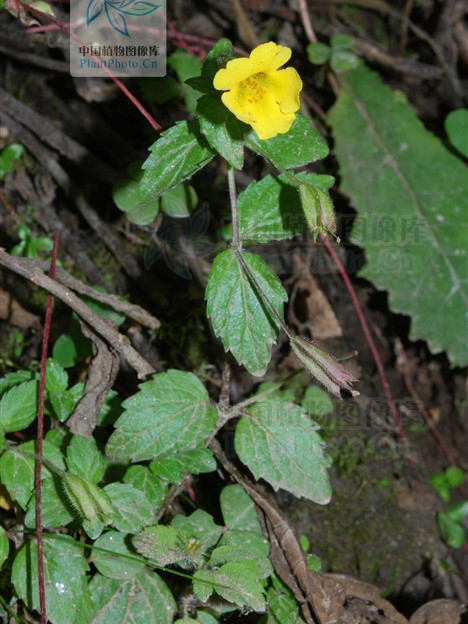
[
  {"x": 318, "y": 210},
  {"x": 90, "y": 501},
  {"x": 324, "y": 367}
]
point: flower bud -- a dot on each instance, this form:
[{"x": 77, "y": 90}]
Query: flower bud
[
  {"x": 324, "y": 367},
  {"x": 318, "y": 210},
  {"x": 91, "y": 502}
]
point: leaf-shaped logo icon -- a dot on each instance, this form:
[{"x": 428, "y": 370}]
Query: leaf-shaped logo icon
[{"x": 116, "y": 10}]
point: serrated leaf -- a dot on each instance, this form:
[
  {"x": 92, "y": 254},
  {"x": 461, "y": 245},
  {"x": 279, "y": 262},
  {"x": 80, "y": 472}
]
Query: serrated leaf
[
  {"x": 238, "y": 583},
  {"x": 18, "y": 406},
  {"x": 64, "y": 568},
  {"x": 172, "y": 411},
  {"x": 238, "y": 314},
  {"x": 144, "y": 599},
  {"x": 410, "y": 194},
  {"x": 162, "y": 544},
  {"x": 152, "y": 487},
  {"x": 179, "y": 153},
  {"x": 132, "y": 509},
  {"x": 239, "y": 510},
  {"x": 172, "y": 468},
  {"x": 85, "y": 459},
  {"x": 199, "y": 526},
  {"x": 114, "y": 565},
  {"x": 243, "y": 546},
  {"x": 272, "y": 210},
  {"x": 280, "y": 444},
  {"x": 203, "y": 584},
  {"x": 14, "y": 379},
  {"x": 300, "y": 146},
  {"x": 282, "y": 606},
  {"x": 56, "y": 380},
  {"x": 17, "y": 467},
  {"x": 222, "y": 130}
]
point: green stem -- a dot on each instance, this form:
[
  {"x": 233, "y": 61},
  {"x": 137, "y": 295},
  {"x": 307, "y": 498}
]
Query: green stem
[{"x": 236, "y": 242}]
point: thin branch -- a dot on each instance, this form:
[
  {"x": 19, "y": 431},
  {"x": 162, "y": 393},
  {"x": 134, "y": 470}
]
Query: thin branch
[
  {"x": 367, "y": 334},
  {"x": 133, "y": 311},
  {"x": 118, "y": 341},
  {"x": 233, "y": 201},
  {"x": 40, "y": 436},
  {"x": 305, "y": 18}
]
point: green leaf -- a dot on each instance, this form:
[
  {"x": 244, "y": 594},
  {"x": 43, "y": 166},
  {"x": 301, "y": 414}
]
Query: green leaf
[
  {"x": 238, "y": 583},
  {"x": 56, "y": 377},
  {"x": 342, "y": 41},
  {"x": 458, "y": 511},
  {"x": 132, "y": 509},
  {"x": 238, "y": 314},
  {"x": 56, "y": 510},
  {"x": 186, "y": 66},
  {"x": 14, "y": 379},
  {"x": 152, "y": 487},
  {"x": 199, "y": 526},
  {"x": 172, "y": 411},
  {"x": 239, "y": 510},
  {"x": 216, "y": 59},
  {"x": 203, "y": 584},
  {"x": 454, "y": 476},
  {"x": 300, "y": 146},
  {"x": 451, "y": 531},
  {"x": 17, "y": 467},
  {"x": 180, "y": 152},
  {"x": 144, "y": 599},
  {"x": 343, "y": 60},
  {"x": 456, "y": 127},
  {"x": 243, "y": 546},
  {"x": 8, "y": 155},
  {"x": 439, "y": 482},
  {"x": 4, "y": 546},
  {"x": 18, "y": 406},
  {"x": 222, "y": 130},
  {"x": 318, "y": 53},
  {"x": 317, "y": 402},
  {"x": 85, "y": 459},
  {"x": 272, "y": 210},
  {"x": 64, "y": 568},
  {"x": 114, "y": 565},
  {"x": 173, "y": 468},
  {"x": 159, "y": 90},
  {"x": 282, "y": 606},
  {"x": 280, "y": 444},
  {"x": 72, "y": 347},
  {"x": 410, "y": 194},
  {"x": 162, "y": 544},
  {"x": 180, "y": 201}
]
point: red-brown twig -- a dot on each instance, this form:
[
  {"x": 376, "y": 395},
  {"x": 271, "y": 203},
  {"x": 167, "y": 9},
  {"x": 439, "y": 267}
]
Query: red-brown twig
[
  {"x": 66, "y": 28},
  {"x": 40, "y": 435},
  {"x": 367, "y": 334}
]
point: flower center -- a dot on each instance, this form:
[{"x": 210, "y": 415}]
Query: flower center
[{"x": 254, "y": 91}]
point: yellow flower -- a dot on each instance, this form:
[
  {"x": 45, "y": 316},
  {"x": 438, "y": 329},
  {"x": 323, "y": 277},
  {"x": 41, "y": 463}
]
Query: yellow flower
[{"x": 258, "y": 92}]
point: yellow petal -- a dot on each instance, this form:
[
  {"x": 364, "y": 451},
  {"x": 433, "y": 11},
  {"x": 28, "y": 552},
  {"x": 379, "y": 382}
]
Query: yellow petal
[
  {"x": 285, "y": 86},
  {"x": 269, "y": 56},
  {"x": 235, "y": 72},
  {"x": 264, "y": 115}
]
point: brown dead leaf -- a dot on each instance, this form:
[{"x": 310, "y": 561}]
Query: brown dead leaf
[{"x": 440, "y": 611}]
